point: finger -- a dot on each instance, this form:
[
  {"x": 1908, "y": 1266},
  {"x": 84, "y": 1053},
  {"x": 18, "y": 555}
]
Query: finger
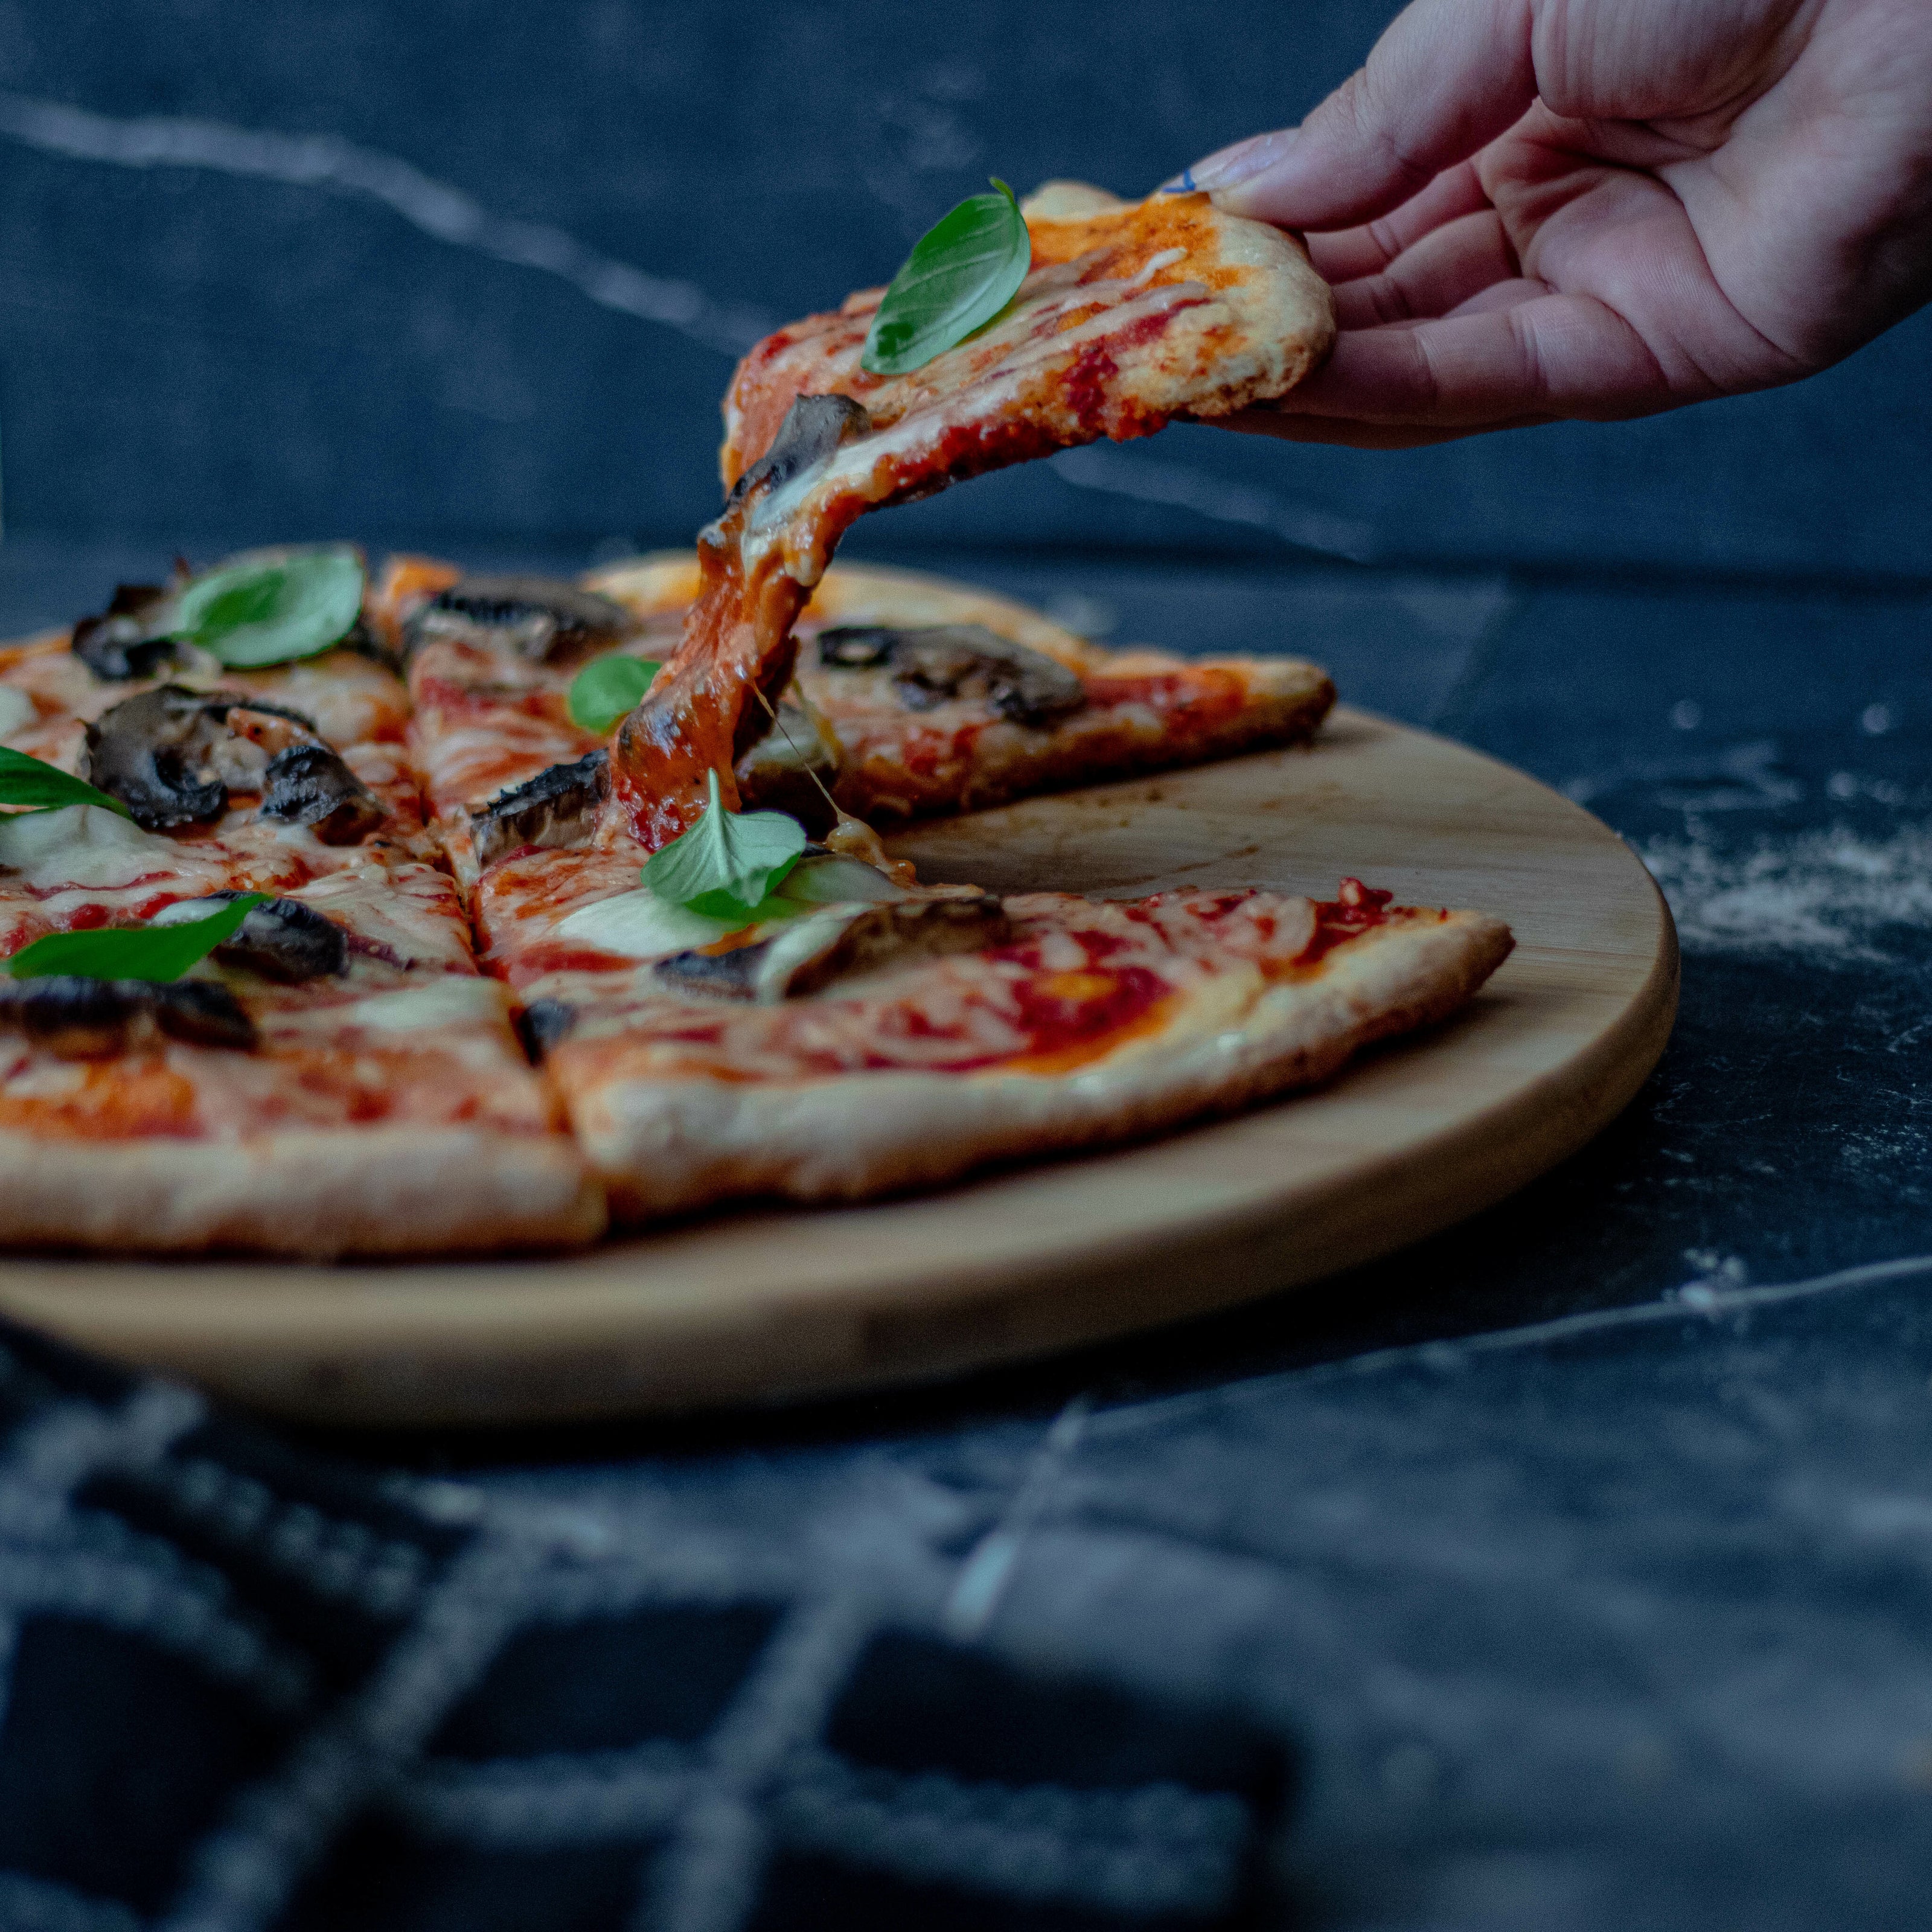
[
  {"x": 1550, "y": 355},
  {"x": 1439, "y": 274},
  {"x": 1447, "y": 76},
  {"x": 1339, "y": 432},
  {"x": 1346, "y": 253}
]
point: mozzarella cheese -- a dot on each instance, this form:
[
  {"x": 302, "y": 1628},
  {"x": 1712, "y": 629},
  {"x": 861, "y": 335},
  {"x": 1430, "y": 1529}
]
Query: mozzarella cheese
[
  {"x": 81, "y": 845},
  {"x": 449, "y": 999},
  {"x": 640, "y": 925}
]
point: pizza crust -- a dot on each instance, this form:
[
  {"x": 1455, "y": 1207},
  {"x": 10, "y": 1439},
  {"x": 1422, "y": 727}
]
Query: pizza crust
[
  {"x": 665, "y": 1147},
  {"x": 317, "y": 1194}
]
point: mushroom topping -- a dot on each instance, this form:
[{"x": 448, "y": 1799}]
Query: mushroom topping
[
  {"x": 76, "y": 1018},
  {"x": 309, "y": 784},
  {"x": 280, "y": 939},
  {"x": 541, "y": 618},
  {"x": 171, "y": 756},
  {"x": 543, "y": 1024},
  {"x": 127, "y": 640},
  {"x": 936, "y": 662},
  {"x": 814, "y": 426},
  {"x": 837, "y": 943},
  {"x": 557, "y": 807}
]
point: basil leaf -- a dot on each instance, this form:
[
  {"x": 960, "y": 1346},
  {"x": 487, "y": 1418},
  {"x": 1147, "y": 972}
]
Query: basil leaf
[
  {"x": 961, "y": 272},
  {"x": 727, "y": 862},
  {"x": 272, "y": 610},
  {"x": 157, "y": 953},
  {"x": 607, "y": 688},
  {"x": 25, "y": 781}
]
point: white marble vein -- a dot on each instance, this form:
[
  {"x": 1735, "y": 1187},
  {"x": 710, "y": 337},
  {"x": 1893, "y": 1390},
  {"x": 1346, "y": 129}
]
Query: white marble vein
[{"x": 334, "y": 166}]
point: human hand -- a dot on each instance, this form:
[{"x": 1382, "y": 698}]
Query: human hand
[{"x": 1536, "y": 209}]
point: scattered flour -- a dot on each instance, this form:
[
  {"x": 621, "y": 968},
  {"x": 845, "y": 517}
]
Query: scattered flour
[{"x": 1831, "y": 894}]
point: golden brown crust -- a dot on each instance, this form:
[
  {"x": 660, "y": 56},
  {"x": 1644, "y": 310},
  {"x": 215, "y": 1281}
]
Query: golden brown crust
[
  {"x": 319, "y": 1195},
  {"x": 669, "y": 1146}
]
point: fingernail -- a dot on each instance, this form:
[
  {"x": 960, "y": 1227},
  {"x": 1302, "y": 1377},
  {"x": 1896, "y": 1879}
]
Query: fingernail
[{"x": 1228, "y": 166}]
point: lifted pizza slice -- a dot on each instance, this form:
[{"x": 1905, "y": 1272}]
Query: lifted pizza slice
[{"x": 1131, "y": 314}]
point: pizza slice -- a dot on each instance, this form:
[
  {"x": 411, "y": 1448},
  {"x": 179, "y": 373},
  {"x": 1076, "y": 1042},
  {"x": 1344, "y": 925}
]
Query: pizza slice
[
  {"x": 1131, "y": 314},
  {"x": 335, "y": 1077},
  {"x": 863, "y": 1038},
  {"x": 913, "y": 697}
]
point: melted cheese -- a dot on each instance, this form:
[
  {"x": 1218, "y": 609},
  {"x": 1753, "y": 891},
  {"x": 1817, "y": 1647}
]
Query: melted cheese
[
  {"x": 17, "y": 710},
  {"x": 450, "y": 999},
  {"x": 81, "y": 845}
]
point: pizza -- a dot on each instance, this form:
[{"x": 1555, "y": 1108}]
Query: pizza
[
  {"x": 465, "y": 1002},
  {"x": 341, "y": 1078},
  {"x": 915, "y": 698},
  {"x": 404, "y": 1050},
  {"x": 912, "y": 697}
]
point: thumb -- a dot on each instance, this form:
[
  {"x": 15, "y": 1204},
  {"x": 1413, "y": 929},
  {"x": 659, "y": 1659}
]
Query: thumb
[{"x": 1447, "y": 76}]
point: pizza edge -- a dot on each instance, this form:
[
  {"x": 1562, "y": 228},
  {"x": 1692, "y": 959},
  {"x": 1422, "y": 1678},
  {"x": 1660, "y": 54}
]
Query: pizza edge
[
  {"x": 315, "y": 1194},
  {"x": 666, "y": 1147}
]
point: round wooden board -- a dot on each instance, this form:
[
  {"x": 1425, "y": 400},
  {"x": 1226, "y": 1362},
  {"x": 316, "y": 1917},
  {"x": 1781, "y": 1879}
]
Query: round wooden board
[{"x": 760, "y": 1307}]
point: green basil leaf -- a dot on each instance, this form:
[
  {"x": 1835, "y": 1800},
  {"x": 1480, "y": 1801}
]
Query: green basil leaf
[
  {"x": 607, "y": 688},
  {"x": 25, "y": 781},
  {"x": 272, "y": 610},
  {"x": 156, "y": 953},
  {"x": 961, "y": 272},
  {"x": 728, "y": 860}
]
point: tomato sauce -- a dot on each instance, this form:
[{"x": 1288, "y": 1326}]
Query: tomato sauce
[{"x": 1355, "y": 909}]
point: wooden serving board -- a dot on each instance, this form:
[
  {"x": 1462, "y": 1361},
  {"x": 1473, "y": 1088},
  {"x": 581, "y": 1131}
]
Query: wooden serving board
[{"x": 764, "y": 1306}]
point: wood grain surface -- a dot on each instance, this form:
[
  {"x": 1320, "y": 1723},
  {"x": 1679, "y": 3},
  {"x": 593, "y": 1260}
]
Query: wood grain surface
[{"x": 767, "y": 1307}]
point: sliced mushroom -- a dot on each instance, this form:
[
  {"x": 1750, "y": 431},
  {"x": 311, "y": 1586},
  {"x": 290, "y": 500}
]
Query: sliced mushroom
[
  {"x": 154, "y": 754},
  {"x": 280, "y": 939},
  {"x": 557, "y": 807},
  {"x": 76, "y": 1018},
  {"x": 310, "y": 785},
  {"x": 814, "y": 426},
  {"x": 806, "y": 957},
  {"x": 937, "y": 662},
  {"x": 171, "y": 755},
  {"x": 793, "y": 768},
  {"x": 127, "y": 640},
  {"x": 543, "y": 1025},
  {"x": 542, "y": 618}
]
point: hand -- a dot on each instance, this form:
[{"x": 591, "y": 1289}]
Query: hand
[{"x": 1534, "y": 209}]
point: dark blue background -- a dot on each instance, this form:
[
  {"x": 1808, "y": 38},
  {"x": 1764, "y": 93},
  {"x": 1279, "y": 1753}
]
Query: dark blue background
[{"x": 1622, "y": 1623}]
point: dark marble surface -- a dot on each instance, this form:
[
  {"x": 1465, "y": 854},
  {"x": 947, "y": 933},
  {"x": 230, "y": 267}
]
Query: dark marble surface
[{"x": 1585, "y": 1551}]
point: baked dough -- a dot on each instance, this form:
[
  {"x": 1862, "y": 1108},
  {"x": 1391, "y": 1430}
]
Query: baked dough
[
  {"x": 669, "y": 1128},
  {"x": 321, "y": 1194}
]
